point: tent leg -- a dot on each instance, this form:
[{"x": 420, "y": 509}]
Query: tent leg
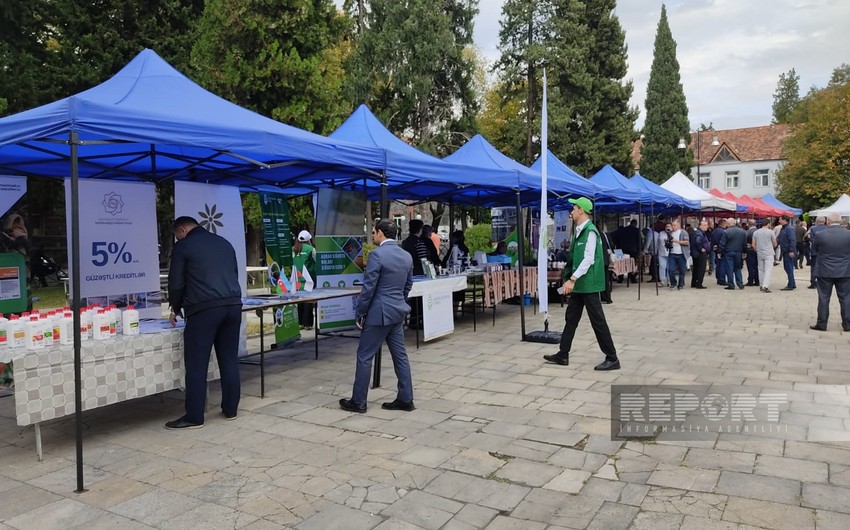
[
  {"x": 38, "y": 447},
  {"x": 74, "y": 142}
]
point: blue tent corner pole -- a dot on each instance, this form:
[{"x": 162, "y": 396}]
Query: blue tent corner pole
[
  {"x": 74, "y": 142},
  {"x": 385, "y": 205}
]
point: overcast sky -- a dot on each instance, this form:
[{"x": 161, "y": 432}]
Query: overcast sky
[{"x": 730, "y": 52}]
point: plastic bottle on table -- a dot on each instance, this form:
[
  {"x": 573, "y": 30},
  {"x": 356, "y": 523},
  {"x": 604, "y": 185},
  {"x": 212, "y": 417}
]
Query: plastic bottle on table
[
  {"x": 33, "y": 333},
  {"x": 15, "y": 332},
  {"x": 66, "y": 328},
  {"x": 55, "y": 317},
  {"x": 130, "y": 324},
  {"x": 113, "y": 321},
  {"x": 4, "y": 334},
  {"x": 119, "y": 320},
  {"x": 85, "y": 324},
  {"x": 101, "y": 325},
  {"x": 46, "y": 330}
]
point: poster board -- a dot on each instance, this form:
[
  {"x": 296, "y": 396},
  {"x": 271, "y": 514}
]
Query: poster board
[
  {"x": 438, "y": 315},
  {"x": 277, "y": 236}
]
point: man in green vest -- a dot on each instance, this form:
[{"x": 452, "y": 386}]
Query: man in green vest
[{"x": 586, "y": 281}]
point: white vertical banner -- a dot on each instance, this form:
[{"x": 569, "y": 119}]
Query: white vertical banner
[
  {"x": 219, "y": 210},
  {"x": 542, "y": 261},
  {"x": 12, "y": 188},
  {"x": 119, "y": 256}
]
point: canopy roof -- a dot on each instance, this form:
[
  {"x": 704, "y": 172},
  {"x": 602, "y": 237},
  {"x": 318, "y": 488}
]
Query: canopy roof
[
  {"x": 758, "y": 207},
  {"x": 611, "y": 178},
  {"x": 420, "y": 175},
  {"x": 841, "y": 207},
  {"x": 740, "y": 207},
  {"x": 151, "y": 122},
  {"x": 570, "y": 184},
  {"x": 773, "y": 201},
  {"x": 682, "y": 185},
  {"x": 670, "y": 199}
]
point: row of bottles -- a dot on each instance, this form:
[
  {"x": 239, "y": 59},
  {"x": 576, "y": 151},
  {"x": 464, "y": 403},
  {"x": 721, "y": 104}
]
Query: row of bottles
[{"x": 34, "y": 330}]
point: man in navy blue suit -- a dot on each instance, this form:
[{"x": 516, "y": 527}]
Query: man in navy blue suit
[{"x": 381, "y": 309}]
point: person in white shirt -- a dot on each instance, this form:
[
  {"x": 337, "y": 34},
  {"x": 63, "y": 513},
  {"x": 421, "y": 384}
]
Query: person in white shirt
[{"x": 764, "y": 243}]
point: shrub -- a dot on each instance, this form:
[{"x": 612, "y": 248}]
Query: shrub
[{"x": 478, "y": 238}]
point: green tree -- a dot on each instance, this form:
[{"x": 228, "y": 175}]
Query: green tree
[
  {"x": 501, "y": 122},
  {"x": 817, "y": 170},
  {"x": 280, "y": 58},
  {"x": 786, "y": 96},
  {"x": 666, "y": 111},
  {"x": 583, "y": 47},
  {"x": 418, "y": 81}
]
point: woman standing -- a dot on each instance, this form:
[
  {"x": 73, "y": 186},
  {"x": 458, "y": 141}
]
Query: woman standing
[{"x": 458, "y": 250}]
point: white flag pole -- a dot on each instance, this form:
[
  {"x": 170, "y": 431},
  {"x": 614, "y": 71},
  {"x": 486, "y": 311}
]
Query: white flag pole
[{"x": 542, "y": 248}]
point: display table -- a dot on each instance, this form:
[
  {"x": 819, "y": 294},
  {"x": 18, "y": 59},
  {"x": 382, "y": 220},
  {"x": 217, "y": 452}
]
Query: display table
[
  {"x": 113, "y": 370},
  {"x": 260, "y": 304}
]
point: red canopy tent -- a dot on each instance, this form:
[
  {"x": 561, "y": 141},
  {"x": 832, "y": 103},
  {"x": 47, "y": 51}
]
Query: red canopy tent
[{"x": 776, "y": 212}]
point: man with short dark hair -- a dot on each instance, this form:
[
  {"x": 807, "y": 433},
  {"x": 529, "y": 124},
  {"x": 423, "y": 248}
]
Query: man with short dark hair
[
  {"x": 720, "y": 263},
  {"x": 381, "y": 308},
  {"x": 733, "y": 243},
  {"x": 699, "y": 253},
  {"x": 583, "y": 287},
  {"x": 787, "y": 240},
  {"x": 832, "y": 268},
  {"x": 415, "y": 246},
  {"x": 203, "y": 286},
  {"x": 820, "y": 225}
]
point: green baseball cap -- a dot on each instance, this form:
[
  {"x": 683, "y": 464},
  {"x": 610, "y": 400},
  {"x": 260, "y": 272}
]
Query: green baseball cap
[{"x": 583, "y": 203}]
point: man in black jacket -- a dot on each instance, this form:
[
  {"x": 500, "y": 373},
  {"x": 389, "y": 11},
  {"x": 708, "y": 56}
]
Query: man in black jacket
[
  {"x": 832, "y": 268},
  {"x": 733, "y": 244},
  {"x": 203, "y": 285}
]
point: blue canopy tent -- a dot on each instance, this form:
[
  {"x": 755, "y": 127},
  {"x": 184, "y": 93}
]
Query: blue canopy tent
[
  {"x": 565, "y": 178},
  {"x": 150, "y": 122},
  {"x": 611, "y": 178},
  {"x": 425, "y": 177},
  {"x": 773, "y": 201},
  {"x": 670, "y": 200}
]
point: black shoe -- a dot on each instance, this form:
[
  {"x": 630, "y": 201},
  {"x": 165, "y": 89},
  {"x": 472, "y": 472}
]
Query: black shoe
[
  {"x": 812, "y": 287},
  {"x": 787, "y": 288},
  {"x": 818, "y": 328},
  {"x": 228, "y": 417},
  {"x": 730, "y": 288},
  {"x": 563, "y": 360},
  {"x": 722, "y": 283},
  {"x": 845, "y": 329},
  {"x": 406, "y": 406},
  {"x": 765, "y": 290},
  {"x": 350, "y": 406},
  {"x": 181, "y": 423},
  {"x": 608, "y": 365},
  {"x": 607, "y": 301},
  {"x": 740, "y": 287},
  {"x": 700, "y": 287}
]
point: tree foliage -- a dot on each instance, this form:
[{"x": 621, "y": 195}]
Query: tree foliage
[
  {"x": 502, "y": 122},
  {"x": 666, "y": 111},
  {"x": 410, "y": 68},
  {"x": 582, "y": 45},
  {"x": 817, "y": 170},
  {"x": 280, "y": 58},
  {"x": 786, "y": 96}
]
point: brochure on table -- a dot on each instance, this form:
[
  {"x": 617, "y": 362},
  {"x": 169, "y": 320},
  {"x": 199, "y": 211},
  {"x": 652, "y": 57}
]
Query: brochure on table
[{"x": 119, "y": 259}]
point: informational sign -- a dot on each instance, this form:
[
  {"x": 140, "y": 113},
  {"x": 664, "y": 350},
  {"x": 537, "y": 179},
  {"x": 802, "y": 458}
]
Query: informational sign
[
  {"x": 12, "y": 190},
  {"x": 13, "y": 283},
  {"x": 217, "y": 209},
  {"x": 562, "y": 228},
  {"x": 438, "y": 315},
  {"x": 339, "y": 263},
  {"x": 119, "y": 257},
  {"x": 277, "y": 237}
]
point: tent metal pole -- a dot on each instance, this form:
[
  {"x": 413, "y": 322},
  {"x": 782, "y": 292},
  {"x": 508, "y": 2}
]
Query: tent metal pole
[
  {"x": 385, "y": 205},
  {"x": 520, "y": 245},
  {"x": 74, "y": 142},
  {"x": 639, "y": 258}
]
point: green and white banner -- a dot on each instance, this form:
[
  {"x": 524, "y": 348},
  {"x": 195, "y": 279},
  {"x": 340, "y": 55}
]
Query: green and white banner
[
  {"x": 339, "y": 264},
  {"x": 277, "y": 237}
]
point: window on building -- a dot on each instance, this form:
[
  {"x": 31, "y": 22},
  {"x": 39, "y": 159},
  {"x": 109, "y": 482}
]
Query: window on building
[
  {"x": 732, "y": 180},
  {"x": 762, "y": 178},
  {"x": 725, "y": 155},
  {"x": 704, "y": 181}
]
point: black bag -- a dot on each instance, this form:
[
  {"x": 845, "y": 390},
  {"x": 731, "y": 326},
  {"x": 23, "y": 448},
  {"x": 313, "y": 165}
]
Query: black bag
[{"x": 668, "y": 243}]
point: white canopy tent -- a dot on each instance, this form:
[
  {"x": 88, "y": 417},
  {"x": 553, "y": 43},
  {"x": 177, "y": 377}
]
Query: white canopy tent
[
  {"x": 682, "y": 185},
  {"x": 841, "y": 207}
]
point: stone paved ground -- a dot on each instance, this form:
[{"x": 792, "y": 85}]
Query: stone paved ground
[{"x": 499, "y": 440}]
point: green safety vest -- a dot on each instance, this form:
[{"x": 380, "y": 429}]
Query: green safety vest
[{"x": 593, "y": 280}]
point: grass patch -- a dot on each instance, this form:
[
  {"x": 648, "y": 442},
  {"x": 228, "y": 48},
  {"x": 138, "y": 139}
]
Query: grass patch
[{"x": 49, "y": 297}]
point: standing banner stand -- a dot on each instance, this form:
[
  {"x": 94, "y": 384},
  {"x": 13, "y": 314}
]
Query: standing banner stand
[
  {"x": 277, "y": 236},
  {"x": 339, "y": 263},
  {"x": 119, "y": 257},
  {"x": 14, "y": 289},
  {"x": 218, "y": 209}
]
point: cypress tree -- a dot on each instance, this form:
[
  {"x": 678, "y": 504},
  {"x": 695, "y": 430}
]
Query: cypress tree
[
  {"x": 666, "y": 112},
  {"x": 786, "y": 97}
]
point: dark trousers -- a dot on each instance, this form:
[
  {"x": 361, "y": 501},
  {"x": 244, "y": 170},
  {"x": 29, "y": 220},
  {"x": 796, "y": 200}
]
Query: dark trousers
[
  {"x": 371, "y": 339},
  {"x": 801, "y": 255},
  {"x": 788, "y": 263},
  {"x": 732, "y": 268},
  {"x": 653, "y": 268},
  {"x": 219, "y": 327},
  {"x": 698, "y": 270},
  {"x": 677, "y": 263},
  {"x": 575, "y": 307},
  {"x": 305, "y": 315},
  {"x": 720, "y": 269},
  {"x": 609, "y": 284},
  {"x": 812, "y": 277},
  {"x": 752, "y": 267},
  {"x": 842, "y": 289}
]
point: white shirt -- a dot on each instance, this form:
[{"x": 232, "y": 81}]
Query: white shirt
[
  {"x": 589, "y": 252},
  {"x": 679, "y": 235}
]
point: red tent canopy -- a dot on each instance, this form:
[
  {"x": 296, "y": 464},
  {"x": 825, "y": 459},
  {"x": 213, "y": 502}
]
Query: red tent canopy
[{"x": 767, "y": 207}]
